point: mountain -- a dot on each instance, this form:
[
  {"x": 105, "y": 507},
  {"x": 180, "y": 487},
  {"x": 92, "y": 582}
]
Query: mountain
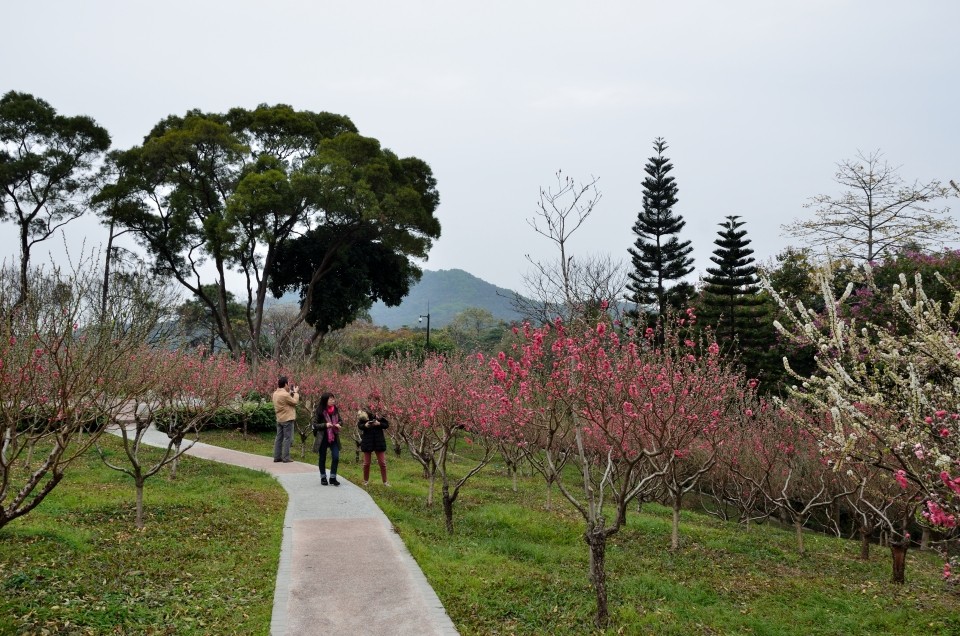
[{"x": 446, "y": 292}]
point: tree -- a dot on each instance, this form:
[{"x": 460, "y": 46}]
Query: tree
[
  {"x": 889, "y": 397},
  {"x": 199, "y": 323},
  {"x": 731, "y": 303},
  {"x": 568, "y": 287},
  {"x": 183, "y": 388},
  {"x": 46, "y": 170},
  {"x": 237, "y": 189},
  {"x": 66, "y": 371},
  {"x": 657, "y": 255},
  {"x": 623, "y": 413},
  {"x": 476, "y": 329},
  {"x": 446, "y": 400},
  {"x": 878, "y": 213}
]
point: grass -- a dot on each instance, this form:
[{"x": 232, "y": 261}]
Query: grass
[
  {"x": 512, "y": 567},
  {"x": 515, "y": 567},
  {"x": 203, "y": 564}
]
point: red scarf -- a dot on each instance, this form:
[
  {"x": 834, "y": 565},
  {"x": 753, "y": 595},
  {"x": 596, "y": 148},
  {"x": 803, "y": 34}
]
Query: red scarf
[{"x": 331, "y": 431}]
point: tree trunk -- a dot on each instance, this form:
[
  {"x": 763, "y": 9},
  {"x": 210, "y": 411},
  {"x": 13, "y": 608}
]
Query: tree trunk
[
  {"x": 514, "y": 473},
  {"x": 433, "y": 483},
  {"x": 925, "y": 539},
  {"x": 675, "y": 530},
  {"x": 898, "y": 550},
  {"x": 139, "y": 505},
  {"x": 798, "y": 525},
  {"x": 598, "y": 574},
  {"x": 448, "y": 510},
  {"x": 864, "y": 543}
]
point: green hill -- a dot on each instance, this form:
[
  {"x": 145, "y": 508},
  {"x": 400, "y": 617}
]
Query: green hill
[{"x": 446, "y": 292}]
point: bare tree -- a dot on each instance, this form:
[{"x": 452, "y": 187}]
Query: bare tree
[
  {"x": 877, "y": 214},
  {"x": 567, "y": 286}
]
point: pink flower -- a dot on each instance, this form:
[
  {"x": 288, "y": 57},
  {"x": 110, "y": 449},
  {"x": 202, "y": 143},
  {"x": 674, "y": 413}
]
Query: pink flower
[
  {"x": 749, "y": 412},
  {"x": 714, "y": 348},
  {"x": 601, "y": 328},
  {"x": 901, "y": 478},
  {"x": 946, "y": 571},
  {"x": 752, "y": 383}
]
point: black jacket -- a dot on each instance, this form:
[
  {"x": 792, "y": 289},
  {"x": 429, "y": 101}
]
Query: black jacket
[
  {"x": 371, "y": 433},
  {"x": 320, "y": 425}
]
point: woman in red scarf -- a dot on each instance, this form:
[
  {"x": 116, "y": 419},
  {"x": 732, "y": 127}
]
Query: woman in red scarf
[{"x": 326, "y": 428}]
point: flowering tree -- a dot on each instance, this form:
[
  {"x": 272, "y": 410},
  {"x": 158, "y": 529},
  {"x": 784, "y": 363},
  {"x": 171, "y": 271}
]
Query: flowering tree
[
  {"x": 624, "y": 413},
  {"x": 447, "y": 399},
  {"x": 893, "y": 395},
  {"x": 68, "y": 367},
  {"x": 188, "y": 388}
]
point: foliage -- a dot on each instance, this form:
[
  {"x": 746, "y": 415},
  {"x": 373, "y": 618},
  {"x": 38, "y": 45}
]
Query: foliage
[
  {"x": 240, "y": 189},
  {"x": 730, "y": 302},
  {"x": 657, "y": 255},
  {"x": 258, "y": 417},
  {"x": 47, "y": 165}
]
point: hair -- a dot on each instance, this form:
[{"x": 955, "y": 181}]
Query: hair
[
  {"x": 322, "y": 404},
  {"x": 282, "y": 381}
]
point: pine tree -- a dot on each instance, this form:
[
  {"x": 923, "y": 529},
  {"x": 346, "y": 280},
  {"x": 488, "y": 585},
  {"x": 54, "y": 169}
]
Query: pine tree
[
  {"x": 731, "y": 303},
  {"x": 657, "y": 255}
]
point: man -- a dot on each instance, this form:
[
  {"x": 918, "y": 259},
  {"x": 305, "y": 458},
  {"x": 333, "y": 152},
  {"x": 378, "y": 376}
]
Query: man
[{"x": 285, "y": 404}]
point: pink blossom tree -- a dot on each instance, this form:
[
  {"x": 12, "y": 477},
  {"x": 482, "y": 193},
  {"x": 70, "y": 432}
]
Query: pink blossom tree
[
  {"x": 449, "y": 399},
  {"x": 625, "y": 413},
  {"x": 187, "y": 389},
  {"x": 68, "y": 367}
]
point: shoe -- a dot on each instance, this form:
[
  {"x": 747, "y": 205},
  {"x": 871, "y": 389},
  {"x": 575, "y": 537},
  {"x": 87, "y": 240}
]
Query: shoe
[
  {"x": 276, "y": 460},
  {"x": 323, "y": 481},
  {"x": 288, "y": 461},
  {"x": 386, "y": 484},
  {"x": 333, "y": 480}
]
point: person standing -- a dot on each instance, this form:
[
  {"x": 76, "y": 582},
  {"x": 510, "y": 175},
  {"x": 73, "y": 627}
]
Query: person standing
[
  {"x": 326, "y": 426},
  {"x": 372, "y": 440},
  {"x": 285, "y": 404}
]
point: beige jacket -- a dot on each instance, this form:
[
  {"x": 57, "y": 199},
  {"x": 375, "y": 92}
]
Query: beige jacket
[{"x": 285, "y": 404}]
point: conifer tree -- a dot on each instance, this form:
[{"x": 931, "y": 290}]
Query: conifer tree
[
  {"x": 731, "y": 303},
  {"x": 657, "y": 255}
]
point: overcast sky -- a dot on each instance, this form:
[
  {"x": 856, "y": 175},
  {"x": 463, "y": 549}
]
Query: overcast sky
[{"x": 757, "y": 100}]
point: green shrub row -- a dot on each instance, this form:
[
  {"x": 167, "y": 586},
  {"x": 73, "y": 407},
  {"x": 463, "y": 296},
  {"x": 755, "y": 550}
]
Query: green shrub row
[{"x": 258, "y": 417}]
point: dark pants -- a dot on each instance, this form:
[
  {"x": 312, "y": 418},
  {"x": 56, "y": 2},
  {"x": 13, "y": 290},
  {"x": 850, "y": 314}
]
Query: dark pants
[
  {"x": 335, "y": 459},
  {"x": 281, "y": 445}
]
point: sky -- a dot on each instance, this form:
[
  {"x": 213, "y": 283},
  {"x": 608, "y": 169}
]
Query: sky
[{"x": 757, "y": 100}]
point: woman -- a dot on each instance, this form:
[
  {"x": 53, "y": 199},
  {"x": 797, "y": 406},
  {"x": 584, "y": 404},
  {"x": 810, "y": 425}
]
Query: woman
[
  {"x": 372, "y": 441},
  {"x": 326, "y": 428}
]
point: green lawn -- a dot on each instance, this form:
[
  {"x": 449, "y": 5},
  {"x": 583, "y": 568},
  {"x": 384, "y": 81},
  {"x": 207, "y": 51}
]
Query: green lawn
[
  {"x": 203, "y": 564},
  {"x": 512, "y": 567},
  {"x": 515, "y": 567}
]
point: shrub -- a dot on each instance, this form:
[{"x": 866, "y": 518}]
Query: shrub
[{"x": 259, "y": 417}]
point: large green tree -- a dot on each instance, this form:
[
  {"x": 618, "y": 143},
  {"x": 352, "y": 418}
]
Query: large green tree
[
  {"x": 731, "y": 302},
  {"x": 658, "y": 256},
  {"x": 235, "y": 190},
  {"x": 47, "y": 170}
]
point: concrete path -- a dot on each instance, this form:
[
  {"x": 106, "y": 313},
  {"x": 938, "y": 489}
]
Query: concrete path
[{"x": 343, "y": 570}]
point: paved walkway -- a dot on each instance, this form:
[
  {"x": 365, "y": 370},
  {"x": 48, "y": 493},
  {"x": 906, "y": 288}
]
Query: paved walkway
[{"x": 342, "y": 567}]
